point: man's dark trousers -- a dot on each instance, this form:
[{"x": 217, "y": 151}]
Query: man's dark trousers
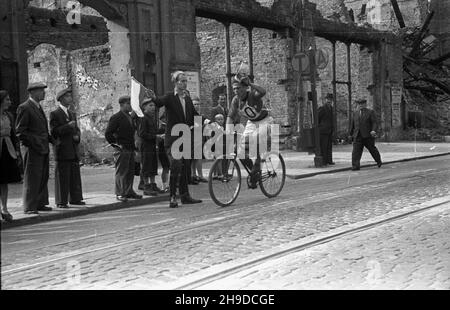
[
  {"x": 326, "y": 144},
  {"x": 124, "y": 162},
  {"x": 178, "y": 175},
  {"x": 358, "y": 146},
  {"x": 36, "y": 175},
  {"x": 68, "y": 182}
]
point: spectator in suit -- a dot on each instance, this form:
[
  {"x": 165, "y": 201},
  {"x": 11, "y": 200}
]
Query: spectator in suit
[
  {"x": 325, "y": 113},
  {"x": 9, "y": 153},
  {"x": 179, "y": 110},
  {"x": 363, "y": 132},
  {"x": 32, "y": 131},
  {"x": 221, "y": 107},
  {"x": 120, "y": 134},
  {"x": 64, "y": 129}
]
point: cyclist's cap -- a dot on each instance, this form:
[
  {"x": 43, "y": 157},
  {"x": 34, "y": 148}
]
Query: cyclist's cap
[{"x": 237, "y": 82}]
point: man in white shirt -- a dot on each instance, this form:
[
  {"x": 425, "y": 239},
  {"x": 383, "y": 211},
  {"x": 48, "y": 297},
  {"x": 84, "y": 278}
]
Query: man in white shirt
[{"x": 66, "y": 133}]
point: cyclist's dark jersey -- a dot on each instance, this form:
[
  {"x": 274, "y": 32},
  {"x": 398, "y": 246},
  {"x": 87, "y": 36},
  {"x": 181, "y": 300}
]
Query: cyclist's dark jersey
[{"x": 251, "y": 108}]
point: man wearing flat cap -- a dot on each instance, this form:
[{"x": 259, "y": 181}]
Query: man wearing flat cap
[
  {"x": 64, "y": 129},
  {"x": 120, "y": 134},
  {"x": 325, "y": 113},
  {"x": 363, "y": 133},
  {"x": 32, "y": 131}
]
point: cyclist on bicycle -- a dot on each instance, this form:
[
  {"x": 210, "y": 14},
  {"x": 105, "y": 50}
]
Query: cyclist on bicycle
[{"x": 248, "y": 103}]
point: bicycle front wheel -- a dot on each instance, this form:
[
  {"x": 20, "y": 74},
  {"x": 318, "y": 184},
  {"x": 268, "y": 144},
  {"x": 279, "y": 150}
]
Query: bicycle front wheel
[
  {"x": 224, "y": 181},
  {"x": 273, "y": 174}
]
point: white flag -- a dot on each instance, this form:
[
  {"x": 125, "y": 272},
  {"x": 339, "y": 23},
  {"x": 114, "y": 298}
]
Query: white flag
[{"x": 137, "y": 96}]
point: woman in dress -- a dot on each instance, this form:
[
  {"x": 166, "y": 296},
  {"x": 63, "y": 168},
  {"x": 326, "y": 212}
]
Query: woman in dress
[{"x": 9, "y": 152}]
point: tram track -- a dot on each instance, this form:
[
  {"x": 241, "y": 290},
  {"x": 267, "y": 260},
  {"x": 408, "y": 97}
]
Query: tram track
[
  {"x": 219, "y": 218},
  {"x": 201, "y": 281}
]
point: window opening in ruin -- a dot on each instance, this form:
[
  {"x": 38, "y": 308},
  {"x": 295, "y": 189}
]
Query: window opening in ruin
[{"x": 92, "y": 59}]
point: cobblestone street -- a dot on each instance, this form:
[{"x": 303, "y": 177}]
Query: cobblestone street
[
  {"x": 154, "y": 247},
  {"x": 412, "y": 253}
]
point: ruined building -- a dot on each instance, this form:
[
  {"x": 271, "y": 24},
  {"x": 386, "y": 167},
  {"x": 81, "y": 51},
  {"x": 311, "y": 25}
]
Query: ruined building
[{"x": 394, "y": 53}]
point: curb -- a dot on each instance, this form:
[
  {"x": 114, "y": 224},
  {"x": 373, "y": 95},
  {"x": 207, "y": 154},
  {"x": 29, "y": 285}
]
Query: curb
[
  {"x": 135, "y": 203},
  {"x": 312, "y": 174},
  {"x": 63, "y": 214}
]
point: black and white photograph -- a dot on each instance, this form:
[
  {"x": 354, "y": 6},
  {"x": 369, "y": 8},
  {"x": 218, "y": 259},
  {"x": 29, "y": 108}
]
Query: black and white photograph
[{"x": 240, "y": 149}]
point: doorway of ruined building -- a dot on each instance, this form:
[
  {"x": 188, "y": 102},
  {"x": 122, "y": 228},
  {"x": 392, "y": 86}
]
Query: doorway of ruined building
[
  {"x": 263, "y": 52},
  {"x": 91, "y": 56}
]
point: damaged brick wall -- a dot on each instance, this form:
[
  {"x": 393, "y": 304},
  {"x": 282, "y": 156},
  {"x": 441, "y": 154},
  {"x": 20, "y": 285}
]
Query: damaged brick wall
[
  {"x": 270, "y": 63},
  {"x": 98, "y": 74}
]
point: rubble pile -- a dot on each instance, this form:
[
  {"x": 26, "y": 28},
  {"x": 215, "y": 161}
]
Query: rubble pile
[{"x": 426, "y": 82}]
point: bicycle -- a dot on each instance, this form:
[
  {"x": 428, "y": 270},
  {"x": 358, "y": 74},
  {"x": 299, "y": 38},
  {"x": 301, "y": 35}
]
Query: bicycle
[{"x": 225, "y": 189}]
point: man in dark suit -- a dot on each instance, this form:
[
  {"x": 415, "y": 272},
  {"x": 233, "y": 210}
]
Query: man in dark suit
[
  {"x": 325, "y": 113},
  {"x": 221, "y": 107},
  {"x": 179, "y": 110},
  {"x": 64, "y": 129},
  {"x": 363, "y": 133},
  {"x": 32, "y": 131},
  {"x": 120, "y": 134}
]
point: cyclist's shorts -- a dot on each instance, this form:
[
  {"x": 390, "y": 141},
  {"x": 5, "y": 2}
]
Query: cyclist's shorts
[{"x": 254, "y": 131}]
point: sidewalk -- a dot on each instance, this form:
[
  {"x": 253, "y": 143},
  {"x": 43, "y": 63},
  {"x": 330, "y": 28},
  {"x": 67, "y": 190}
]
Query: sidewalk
[{"x": 98, "y": 182}]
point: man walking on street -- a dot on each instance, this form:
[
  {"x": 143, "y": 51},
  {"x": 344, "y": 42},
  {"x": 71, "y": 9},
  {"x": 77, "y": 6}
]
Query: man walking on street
[
  {"x": 120, "y": 134},
  {"x": 179, "y": 110},
  {"x": 325, "y": 113},
  {"x": 363, "y": 133},
  {"x": 32, "y": 131},
  {"x": 64, "y": 129}
]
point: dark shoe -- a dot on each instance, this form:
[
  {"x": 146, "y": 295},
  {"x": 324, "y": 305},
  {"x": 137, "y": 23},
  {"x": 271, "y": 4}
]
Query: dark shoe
[
  {"x": 61, "y": 206},
  {"x": 173, "y": 202},
  {"x": 155, "y": 188},
  {"x": 141, "y": 186},
  {"x": 202, "y": 180},
  {"x": 379, "y": 164},
  {"x": 134, "y": 196},
  {"x": 332, "y": 163},
  {"x": 31, "y": 212},
  {"x": 122, "y": 198},
  {"x": 355, "y": 168},
  {"x": 7, "y": 217},
  {"x": 193, "y": 182},
  {"x": 78, "y": 203},
  {"x": 44, "y": 208},
  {"x": 189, "y": 200},
  {"x": 149, "y": 191}
]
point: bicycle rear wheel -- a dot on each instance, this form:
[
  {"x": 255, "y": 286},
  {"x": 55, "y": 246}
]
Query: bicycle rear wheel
[
  {"x": 224, "y": 181},
  {"x": 273, "y": 174}
]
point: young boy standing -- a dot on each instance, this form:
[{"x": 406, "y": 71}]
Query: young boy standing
[{"x": 148, "y": 132}]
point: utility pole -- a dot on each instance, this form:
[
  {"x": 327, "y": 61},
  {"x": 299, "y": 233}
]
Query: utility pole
[{"x": 318, "y": 159}]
